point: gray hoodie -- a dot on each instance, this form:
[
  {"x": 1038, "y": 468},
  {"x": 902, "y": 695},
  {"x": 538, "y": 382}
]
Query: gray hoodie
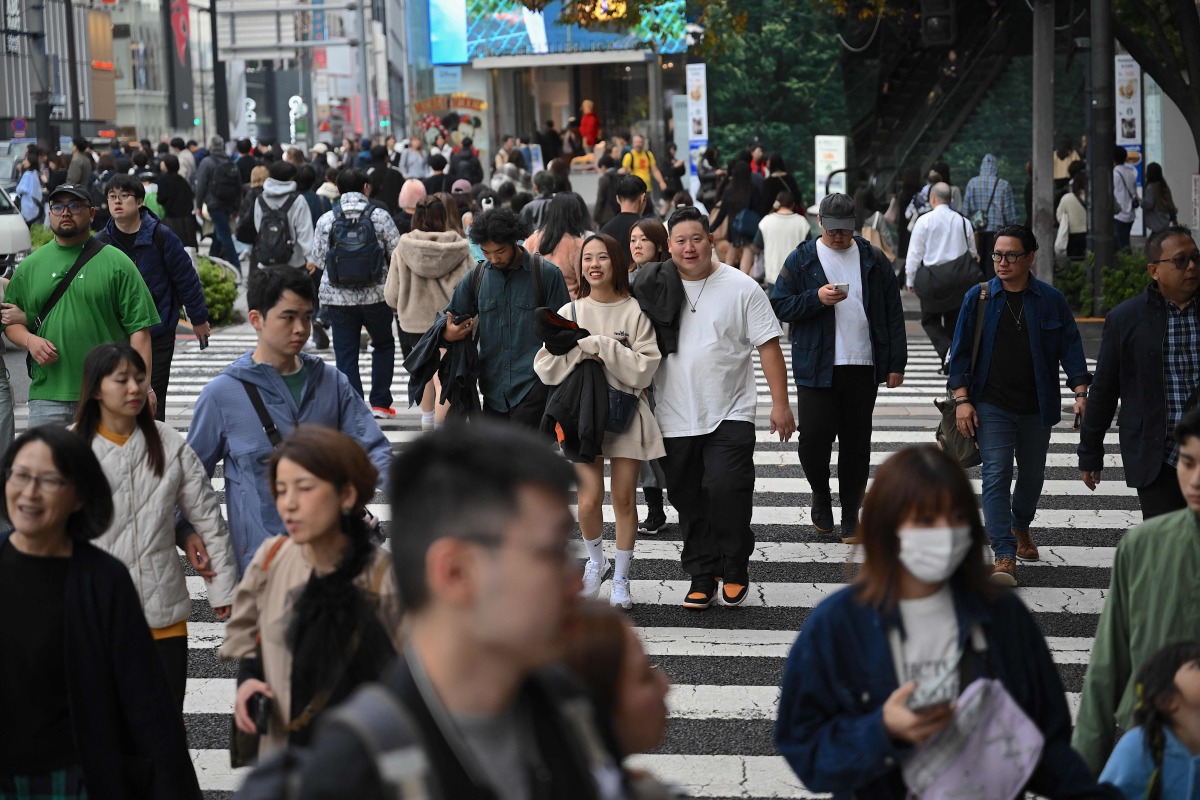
[{"x": 276, "y": 193}]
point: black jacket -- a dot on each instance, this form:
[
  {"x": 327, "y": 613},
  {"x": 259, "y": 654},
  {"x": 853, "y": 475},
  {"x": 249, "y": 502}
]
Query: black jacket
[
  {"x": 128, "y": 730},
  {"x": 458, "y": 370},
  {"x": 578, "y": 405},
  {"x": 439, "y": 182},
  {"x": 1130, "y": 369},
  {"x": 386, "y": 184},
  {"x": 659, "y": 291},
  {"x": 465, "y": 164}
]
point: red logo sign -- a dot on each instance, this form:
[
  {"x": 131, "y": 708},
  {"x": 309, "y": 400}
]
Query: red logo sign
[{"x": 181, "y": 27}]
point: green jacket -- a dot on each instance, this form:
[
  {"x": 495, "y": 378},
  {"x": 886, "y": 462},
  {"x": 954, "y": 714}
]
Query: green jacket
[{"x": 1154, "y": 600}]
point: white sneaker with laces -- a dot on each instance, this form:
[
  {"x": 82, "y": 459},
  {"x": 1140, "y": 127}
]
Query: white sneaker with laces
[
  {"x": 594, "y": 575},
  {"x": 620, "y": 593}
]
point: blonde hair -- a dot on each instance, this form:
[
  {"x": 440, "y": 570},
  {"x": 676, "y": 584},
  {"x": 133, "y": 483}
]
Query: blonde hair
[{"x": 258, "y": 176}]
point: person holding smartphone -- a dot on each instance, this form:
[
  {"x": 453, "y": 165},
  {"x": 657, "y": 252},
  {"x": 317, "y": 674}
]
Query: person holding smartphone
[{"x": 878, "y": 667}]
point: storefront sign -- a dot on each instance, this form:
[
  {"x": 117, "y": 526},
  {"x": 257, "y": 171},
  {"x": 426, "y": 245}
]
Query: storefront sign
[
  {"x": 447, "y": 80},
  {"x": 446, "y": 102}
]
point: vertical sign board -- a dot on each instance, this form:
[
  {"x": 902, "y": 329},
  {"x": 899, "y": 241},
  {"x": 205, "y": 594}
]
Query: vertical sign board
[
  {"x": 829, "y": 156},
  {"x": 1127, "y": 82},
  {"x": 697, "y": 118},
  {"x": 179, "y": 24}
]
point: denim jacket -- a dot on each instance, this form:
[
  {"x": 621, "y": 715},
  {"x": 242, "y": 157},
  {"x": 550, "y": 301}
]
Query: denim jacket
[
  {"x": 840, "y": 673},
  {"x": 1053, "y": 337}
]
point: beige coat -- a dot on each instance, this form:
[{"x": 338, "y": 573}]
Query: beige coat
[
  {"x": 425, "y": 269},
  {"x": 262, "y": 608}
]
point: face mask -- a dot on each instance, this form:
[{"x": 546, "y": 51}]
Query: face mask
[{"x": 932, "y": 554}]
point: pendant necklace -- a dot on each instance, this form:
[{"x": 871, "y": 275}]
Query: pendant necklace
[
  {"x": 1016, "y": 317},
  {"x": 698, "y": 296}
]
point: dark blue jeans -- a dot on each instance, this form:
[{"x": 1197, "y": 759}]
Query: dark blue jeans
[
  {"x": 347, "y": 323},
  {"x": 223, "y": 235},
  {"x": 1001, "y": 435}
]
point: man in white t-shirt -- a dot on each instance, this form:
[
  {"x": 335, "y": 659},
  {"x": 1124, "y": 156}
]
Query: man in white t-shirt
[
  {"x": 779, "y": 234},
  {"x": 841, "y": 297},
  {"x": 706, "y": 395}
]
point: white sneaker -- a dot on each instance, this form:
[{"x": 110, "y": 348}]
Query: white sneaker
[
  {"x": 594, "y": 575},
  {"x": 620, "y": 593}
]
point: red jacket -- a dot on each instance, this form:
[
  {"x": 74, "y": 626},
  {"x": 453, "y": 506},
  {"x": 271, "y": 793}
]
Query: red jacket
[{"x": 589, "y": 128}]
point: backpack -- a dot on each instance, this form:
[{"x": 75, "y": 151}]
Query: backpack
[
  {"x": 227, "y": 184},
  {"x": 275, "y": 243},
  {"x": 245, "y": 232},
  {"x": 745, "y": 224},
  {"x": 95, "y": 189},
  {"x": 355, "y": 258}
]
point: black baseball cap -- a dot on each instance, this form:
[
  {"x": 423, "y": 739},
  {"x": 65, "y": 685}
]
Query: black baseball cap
[
  {"x": 837, "y": 212},
  {"x": 75, "y": 190}
]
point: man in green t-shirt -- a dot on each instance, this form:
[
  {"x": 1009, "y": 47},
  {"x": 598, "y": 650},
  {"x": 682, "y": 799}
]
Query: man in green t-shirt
[{"x": 107, "y": 302}]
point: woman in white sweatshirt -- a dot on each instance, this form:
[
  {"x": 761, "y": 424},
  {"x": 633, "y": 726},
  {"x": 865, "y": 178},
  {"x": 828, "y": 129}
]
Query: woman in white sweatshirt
[
  {"x": 623, "y": 341},
  {"x": 151, "y": 470}
]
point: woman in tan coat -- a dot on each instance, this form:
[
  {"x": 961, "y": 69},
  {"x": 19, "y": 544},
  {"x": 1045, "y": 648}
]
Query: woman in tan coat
[
  {"x": 427, "y": 264},
  {"x": 317, "y": 612}
]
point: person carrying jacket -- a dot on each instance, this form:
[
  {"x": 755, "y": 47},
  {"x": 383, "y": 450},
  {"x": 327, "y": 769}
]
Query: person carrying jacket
[
  {"x": 842, "y": 300},
  {"x": 295, "y": 388},
  {"x": 1150, "y": 362},
  {"x": 165, "y": 267},
  {"x": 278, "y": 189},
  {"x": 207, "y": 178}
]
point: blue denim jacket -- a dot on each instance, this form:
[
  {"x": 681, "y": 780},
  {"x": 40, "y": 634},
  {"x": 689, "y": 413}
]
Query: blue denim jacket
[
  {"x": 1053, "y": 337},
  {"x": 839, "y": 675}
]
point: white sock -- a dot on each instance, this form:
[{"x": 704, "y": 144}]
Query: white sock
[
  {"x": 426, "y": 417},
  {"x": 595, "y": 548},
  {"x": 624, "y": 561}
]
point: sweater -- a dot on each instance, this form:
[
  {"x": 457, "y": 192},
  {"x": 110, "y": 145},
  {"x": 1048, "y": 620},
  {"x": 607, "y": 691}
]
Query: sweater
[
  {"x": 625, "y": 345},
  {"x": 425, "y": 268},
  {"x": 1153, "y": 600},
  {"x": 142, "y": 532}
]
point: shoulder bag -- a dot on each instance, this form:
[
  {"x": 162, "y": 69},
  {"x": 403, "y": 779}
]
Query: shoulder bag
[
  {"x": 949, "y": 438},
  {"x": 91, "y": 249},
  {"x": 980, "y": 219},
  {"x": 941, "y": 287}
]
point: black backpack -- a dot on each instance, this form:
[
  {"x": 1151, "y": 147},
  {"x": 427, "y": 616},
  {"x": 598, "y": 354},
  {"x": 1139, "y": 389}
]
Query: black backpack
[
  {"x": 355, "y": 258},
  {"x": 275, "y": 243},
  {"x": 227, "y": 184}
]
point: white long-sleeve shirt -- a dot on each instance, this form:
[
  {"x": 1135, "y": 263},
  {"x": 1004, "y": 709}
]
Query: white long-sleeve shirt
[{"x": 939, "y": 236}]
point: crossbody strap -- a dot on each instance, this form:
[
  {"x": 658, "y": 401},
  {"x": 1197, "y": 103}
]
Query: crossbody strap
[
  {"x": 264, "y": 417},
  {"x": 91, "y": 248},
  {"x": 992, "y": 197},
  {"x": 979, "y": 312}
]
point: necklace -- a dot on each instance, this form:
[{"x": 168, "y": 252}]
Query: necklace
[
  {"x": 1016, "y": 317},
  {"x": 698, "y": 295}
]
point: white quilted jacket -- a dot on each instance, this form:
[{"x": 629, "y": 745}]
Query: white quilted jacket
[{"x": 142, "y": 534}]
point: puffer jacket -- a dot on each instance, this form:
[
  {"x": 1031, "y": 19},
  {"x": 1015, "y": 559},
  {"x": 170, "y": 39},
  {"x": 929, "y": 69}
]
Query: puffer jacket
[
  {"x": 425, "y": 268},
  {"x": 142, "y": 535}
]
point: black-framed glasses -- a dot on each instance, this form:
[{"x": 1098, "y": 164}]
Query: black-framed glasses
[
  {"x": 122, "y": 196},
  {"x": 20, "y": 480},
  {"x": 58, "y": 209},
  {"x": 1011, "y": 258},
  {"x": 1181, "y": 261}
]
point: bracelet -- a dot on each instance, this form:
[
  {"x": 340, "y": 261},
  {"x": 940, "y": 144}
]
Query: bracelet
[
  {"x": 1079, "y": 395},
  {"x": 959, "y": 401}
]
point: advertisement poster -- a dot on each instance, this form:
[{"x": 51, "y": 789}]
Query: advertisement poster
[
  {"x": 829, "y": 156},
  {"x": 1128, "y": 108},
  {"x": 697, "y": 98}
]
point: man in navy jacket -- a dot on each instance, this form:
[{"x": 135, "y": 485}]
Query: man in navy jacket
[
  {"x": 165, "y": 267},
  {"x": 1150, "y": 361}
]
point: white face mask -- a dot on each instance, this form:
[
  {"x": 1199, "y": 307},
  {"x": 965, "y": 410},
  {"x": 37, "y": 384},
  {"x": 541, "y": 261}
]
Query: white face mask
[{"x": 932, "y": 554}]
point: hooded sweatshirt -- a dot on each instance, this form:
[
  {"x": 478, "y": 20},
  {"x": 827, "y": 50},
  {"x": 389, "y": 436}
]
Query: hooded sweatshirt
[
  {"x": 226, "y": 428},
  {"x": 426, "y": 266},
  {"x": 276, "y": 194},
  {"x": 1000, "y": 209}
]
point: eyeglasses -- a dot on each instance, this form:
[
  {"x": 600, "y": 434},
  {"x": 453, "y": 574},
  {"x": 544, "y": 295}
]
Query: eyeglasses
[
  {"x": 58, "y": 209},
  {"x": 1181, "y": 262},
  {"x": 46, "y": 483},
  {"x": 123, "y": 196},
  {"x": 1011, "y": 258},
  {"x": 839, "y": 232}
]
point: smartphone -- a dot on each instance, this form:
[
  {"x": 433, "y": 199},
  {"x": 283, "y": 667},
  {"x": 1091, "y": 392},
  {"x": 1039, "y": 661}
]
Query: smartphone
[
  {"x": 204, "y": 343},
  {"x": 844, "y": 288},
  {"x": 260, "y": 712},
  {"x": 1078, "y": 420},
  {"x": 459, "y": 319}
]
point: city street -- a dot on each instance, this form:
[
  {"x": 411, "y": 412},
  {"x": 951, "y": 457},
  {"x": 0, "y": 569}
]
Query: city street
[{"x": 726, "y": 664}]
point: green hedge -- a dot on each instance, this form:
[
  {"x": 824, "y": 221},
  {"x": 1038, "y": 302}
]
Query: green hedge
[
  {"x": 1128, "y": 278},
  {"x": 220, "y": 291},
  {"x": 40, "y": 235}
]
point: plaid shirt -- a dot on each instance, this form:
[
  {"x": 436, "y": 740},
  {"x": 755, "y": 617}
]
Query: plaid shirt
[
  {"x": 1181, "y": 367},
  {"x": 1003, "y": 208}
]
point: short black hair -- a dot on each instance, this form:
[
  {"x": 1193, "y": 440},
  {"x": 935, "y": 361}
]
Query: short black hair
[
  {"x": 351, "y": 180},
  {"x": 1120, "y": 155},
  {"x": 1155, "y": 242},
  {"x": 785, "y": 199},
  {"x": 1189, "y": 425},
  {"x": 243, "y": 146},
  {"x": 1028, "y": 240},
  {"x": 467, "y": 142},
  {"x": 125, "y": 183},
  {"x": 688, "y": 214},
  {"x": 282, "y": 171},
  {"x": 437, "y": 162},
  {"x": 171, "y": 162},
  {"x": 177, "y": 143},
  {"x": 630, "y": 187},
  {"x": 192, "y": 143},
  {"x": 462, "y": 481},
  {"x": 268, "y": 284},
  {"x": 379, "y": 153},
  {"x": 499, "y": 226},
  {"x": 74, "y": 459},
  {"x": 306, "y": 176}
]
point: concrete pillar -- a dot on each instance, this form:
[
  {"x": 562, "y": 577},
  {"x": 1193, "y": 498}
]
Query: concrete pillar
[{"x": 1044, "y": 225}]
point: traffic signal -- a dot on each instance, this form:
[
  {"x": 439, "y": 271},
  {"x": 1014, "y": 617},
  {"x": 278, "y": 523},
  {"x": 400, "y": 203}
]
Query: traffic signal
[
  {"x": 939, "y": 23},
  {"x": 385, "y": 123},
  {"x": 196, "y": 122}
]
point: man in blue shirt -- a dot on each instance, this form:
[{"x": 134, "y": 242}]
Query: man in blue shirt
[{"x": 501, "y": 316}]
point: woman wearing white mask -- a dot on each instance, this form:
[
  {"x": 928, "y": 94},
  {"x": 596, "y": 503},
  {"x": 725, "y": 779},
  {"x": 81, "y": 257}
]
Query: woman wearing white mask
[{"x": 878, "y": 670}]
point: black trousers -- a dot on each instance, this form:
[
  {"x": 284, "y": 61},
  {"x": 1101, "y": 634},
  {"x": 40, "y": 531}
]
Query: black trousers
[
  {"x": 527, "y": 413},
  {"x": 162, "y": 351},
  {"x": 173, "y": 652},
  {"x": 842, "y": 412},
  {"x": 987, "y": 239},
  {"x": 711, "y": 482},
  {"x": 939, "y": 327},
  {"x": 1163, "y": 495}
]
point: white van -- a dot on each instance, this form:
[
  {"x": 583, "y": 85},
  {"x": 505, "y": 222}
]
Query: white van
[{"x": 15, "y": 243}]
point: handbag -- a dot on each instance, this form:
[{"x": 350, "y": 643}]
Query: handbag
[
  {"x": 622, "y": 406},
  {"x": 949, "y": 438},
  {"x": 941, "y": 286},
  {"x": 979, "y": 217}
]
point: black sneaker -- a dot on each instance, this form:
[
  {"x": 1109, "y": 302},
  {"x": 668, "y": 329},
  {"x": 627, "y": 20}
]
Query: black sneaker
[
  {"x": 734, "y": 593},
  {"x": 702, "y": 594},
  {"x": 850, "y": 530},
  {"x": 320, "y": 337},
  {"x": 822, "y": 512},
  {"x": 654, "y": 522}
]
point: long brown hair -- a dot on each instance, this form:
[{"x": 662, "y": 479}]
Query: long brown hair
[
  {"x": 430, "y": 215},
  {"x": 656, "y": 232},
  {"x": 916, "y": 482},
  {"x": 617, "y": 255},
  {"x": 453, "y": 213},
  {"x": 331, "y": 456}
]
